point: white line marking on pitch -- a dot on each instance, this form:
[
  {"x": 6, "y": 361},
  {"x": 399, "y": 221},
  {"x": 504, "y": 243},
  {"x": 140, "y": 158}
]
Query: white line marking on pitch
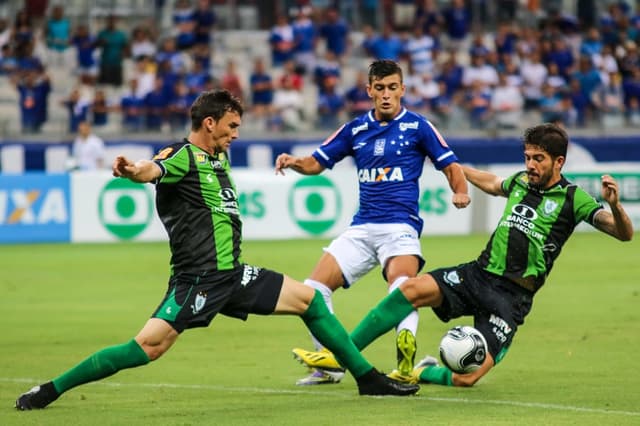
[{"x": 345, "y": 394}]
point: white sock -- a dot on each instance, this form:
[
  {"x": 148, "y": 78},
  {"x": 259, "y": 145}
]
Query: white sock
[
  {"x": 410, "y": 322},
  {"x": 326, "y": 295}
]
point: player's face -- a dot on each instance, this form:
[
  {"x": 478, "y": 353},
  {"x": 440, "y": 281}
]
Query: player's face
[
  {"x": 225, "y": 130},
  {"x": 386, "y": 94},
  {"x": 542, "y": 170}
]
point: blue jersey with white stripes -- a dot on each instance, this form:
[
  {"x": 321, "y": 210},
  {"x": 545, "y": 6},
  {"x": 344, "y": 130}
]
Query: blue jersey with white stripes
[{"x": 390, "y": 158}]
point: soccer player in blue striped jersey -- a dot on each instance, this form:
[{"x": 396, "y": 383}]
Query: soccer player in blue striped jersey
[{"x": 390, "y": 146}]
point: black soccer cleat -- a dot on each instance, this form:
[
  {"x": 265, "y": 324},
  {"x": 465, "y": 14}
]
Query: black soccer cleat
[
  {"x": 376, "y": 383},
  {"x": 37, "y": 397}
]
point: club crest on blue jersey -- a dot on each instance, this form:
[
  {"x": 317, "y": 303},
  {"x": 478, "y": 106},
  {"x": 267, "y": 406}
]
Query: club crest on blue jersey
[{"x": 378, "y": 148}]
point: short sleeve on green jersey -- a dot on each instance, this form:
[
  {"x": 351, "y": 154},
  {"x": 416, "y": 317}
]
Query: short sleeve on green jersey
[
  {"x": 174, "y": 162},
  {"x": 585, "y": 206}
]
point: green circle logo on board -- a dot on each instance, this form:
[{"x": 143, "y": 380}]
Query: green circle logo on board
[
  {"x": 125, "y": 208},
  {"x": 315, "y": 204}
]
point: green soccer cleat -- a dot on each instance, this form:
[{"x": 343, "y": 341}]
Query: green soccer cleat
[
  {"x": 406, "y": 351},
  {"x": 322, "y": 360}
]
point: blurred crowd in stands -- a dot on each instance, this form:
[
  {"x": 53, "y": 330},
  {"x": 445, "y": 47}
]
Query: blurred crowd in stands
[{"x": 468, "y": 64}]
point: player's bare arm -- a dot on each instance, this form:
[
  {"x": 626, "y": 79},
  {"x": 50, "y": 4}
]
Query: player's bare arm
[
  {"x": 615, "y": 223},
  {"x": 487, "y": 182},
  {"x": 458, "y": 185},
  {"x": 141, "y": 171},
  {"x": 303, "y": 165}
]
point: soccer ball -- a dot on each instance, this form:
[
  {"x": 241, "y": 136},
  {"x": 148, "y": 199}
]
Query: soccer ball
[{"x": 463, "y": 349}]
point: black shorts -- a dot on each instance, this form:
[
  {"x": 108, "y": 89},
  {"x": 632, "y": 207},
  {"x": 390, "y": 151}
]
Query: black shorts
[
  {"x": 192, "y": 300},
  {"x": 498, "y": 305}
]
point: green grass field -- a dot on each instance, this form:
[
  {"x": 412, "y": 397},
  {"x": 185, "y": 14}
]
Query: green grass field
[{"x": 575, "y": 361}]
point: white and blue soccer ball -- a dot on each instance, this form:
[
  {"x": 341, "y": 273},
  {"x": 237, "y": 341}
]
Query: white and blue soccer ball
[{"x": 463, "y": 349}]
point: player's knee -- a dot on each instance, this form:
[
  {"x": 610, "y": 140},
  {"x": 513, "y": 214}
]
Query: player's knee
[
  {"x": 154, "y": 351},
  {"x": 421, "y": 291}
]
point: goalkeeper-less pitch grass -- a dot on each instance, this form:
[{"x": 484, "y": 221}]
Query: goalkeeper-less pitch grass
[{"x": 575, "y": 361}]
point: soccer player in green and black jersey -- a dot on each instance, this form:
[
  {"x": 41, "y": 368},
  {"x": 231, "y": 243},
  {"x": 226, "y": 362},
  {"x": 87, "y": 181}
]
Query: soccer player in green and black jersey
[
  {"x": 497, "y": 289},
  {"x": 197, "y": 202}
]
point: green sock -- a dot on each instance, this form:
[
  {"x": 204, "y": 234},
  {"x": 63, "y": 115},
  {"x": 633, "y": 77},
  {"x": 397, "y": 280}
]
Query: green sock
[
  {"x": 102, "y": 364},
  {"x": 437, "y": 375},
  {"x": 330, "y": 332},
  {"x": 389, "y": 312}
]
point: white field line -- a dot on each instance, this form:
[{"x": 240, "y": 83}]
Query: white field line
[{"x": 344, "y": 394}]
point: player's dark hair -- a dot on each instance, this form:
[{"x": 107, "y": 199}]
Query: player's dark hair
[
  {"x": 382, "y": 68},
  {"x": 214, "y": 104},
  {"x": 549, "y": 137}
]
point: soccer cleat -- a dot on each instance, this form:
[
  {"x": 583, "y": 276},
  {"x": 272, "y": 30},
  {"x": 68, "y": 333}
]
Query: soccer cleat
[
  {"x": 37, "y": 397},
  {"x": 410, "y": 378},
  {"x": 321, "y": 377},
  {"x": 323, "y": 360},
  {"x": 376, "y": 383},
  {"x": 406, "y": 351},
  {"x": 427, "y": 361}
]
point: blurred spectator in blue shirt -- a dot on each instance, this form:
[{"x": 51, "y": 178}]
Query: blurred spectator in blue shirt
[
  {"x": 561, "y": 55},
  {"x": 305, "y": 36},
  {"x": 185, "y": 24},
  {"x": 335, "y": 31},
  {"x": 205, "y": 19},
  {"x": 388, "y": 45},
  {"x": 282, "y": 41},
  {"x": 78, "y": 109},
  {"x": 33, "y": 87},
  {"x": 326, "y": 67},
  {"x": 261, "y": 86},
  {"x": 421, "y": 49},
  {"x": 429, "y": 17},
  {"x": 179, "y": 107},
  {"x": 451, "y": 74},
  {"x": 85, "y": 45},
  {"x": 132, "y": 108},
  {"x": 457, "y": 20},
  {"x": 100, "y": 109},
  {"x": 330, "y": 104},
  {"x": 357, "y": 98},
  {"x": 156, "y": 105}
]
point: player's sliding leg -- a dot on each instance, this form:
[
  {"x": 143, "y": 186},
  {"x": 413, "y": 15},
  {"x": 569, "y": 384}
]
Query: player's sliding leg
[{"x": 101, "y": 364}]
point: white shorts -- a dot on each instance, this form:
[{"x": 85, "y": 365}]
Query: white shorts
[{"x": 361, "y": 248}]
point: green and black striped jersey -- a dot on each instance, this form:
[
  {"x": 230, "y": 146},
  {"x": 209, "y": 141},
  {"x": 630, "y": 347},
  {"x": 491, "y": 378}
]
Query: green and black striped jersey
[
  {"x": 197, "y": 202},
  {"x": 534, "y": 226}
]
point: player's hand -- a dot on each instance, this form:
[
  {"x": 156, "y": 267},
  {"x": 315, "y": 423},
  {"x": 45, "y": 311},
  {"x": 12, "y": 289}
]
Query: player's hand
[
  {"x": 122, "y": 167},
  {"x": 609, "y": 189},
  {"x": 461, "y": 200},
  {"x": 283, "y": 161}
]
